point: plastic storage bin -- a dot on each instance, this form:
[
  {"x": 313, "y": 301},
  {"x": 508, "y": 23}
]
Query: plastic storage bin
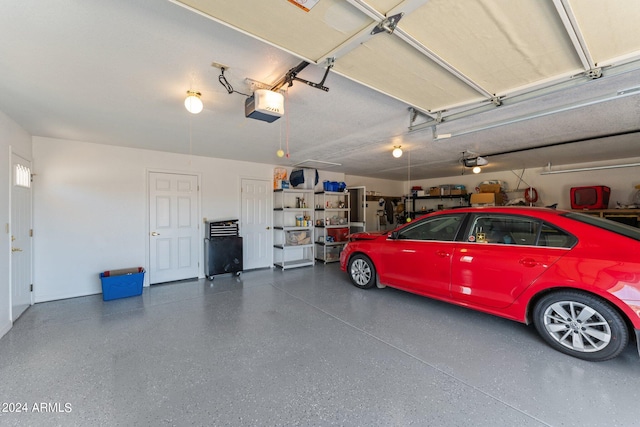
[
  {"x": 338, "y": 234},
  {"x": 122, "y": 283},
  {"x": 332, "y": 254}
]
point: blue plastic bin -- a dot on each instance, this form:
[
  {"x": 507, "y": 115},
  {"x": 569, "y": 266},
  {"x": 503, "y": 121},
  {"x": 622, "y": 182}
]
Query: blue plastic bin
[{"x": 122, "y": 283}]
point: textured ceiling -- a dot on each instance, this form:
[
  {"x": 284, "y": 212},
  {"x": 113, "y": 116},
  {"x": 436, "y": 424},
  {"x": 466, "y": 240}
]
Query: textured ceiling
[{"x": 116, "y": 73}]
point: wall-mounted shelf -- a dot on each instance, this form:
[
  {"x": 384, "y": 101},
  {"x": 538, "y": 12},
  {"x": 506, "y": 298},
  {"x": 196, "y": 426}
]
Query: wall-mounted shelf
[
  {"x": 370, "y": 198},
  {"x": 625, "y": 216},
  {"x": 438, "y": 197}
]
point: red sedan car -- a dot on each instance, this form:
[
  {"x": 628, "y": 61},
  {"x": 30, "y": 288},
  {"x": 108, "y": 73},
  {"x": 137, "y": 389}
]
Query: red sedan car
[{"x": 576, "y": 277}]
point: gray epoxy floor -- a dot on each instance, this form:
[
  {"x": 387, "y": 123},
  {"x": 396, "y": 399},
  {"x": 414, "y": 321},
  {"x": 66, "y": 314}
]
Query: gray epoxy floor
[{"x": 299, "y": 347}]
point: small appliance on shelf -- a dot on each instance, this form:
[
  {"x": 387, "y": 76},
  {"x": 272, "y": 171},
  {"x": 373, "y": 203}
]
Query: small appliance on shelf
[{"x": 590, "y": 197}]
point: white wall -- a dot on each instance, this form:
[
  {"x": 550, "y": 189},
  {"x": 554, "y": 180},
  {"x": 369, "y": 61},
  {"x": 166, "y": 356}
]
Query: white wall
[
  {"x": 382, "y": 186},
  {"x": 555, "y": 188},
  {"x": 12, "y": 137},
  {"x": 90, "y": 204}
]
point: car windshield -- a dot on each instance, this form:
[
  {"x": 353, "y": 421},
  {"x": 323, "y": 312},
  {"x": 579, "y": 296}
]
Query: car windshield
[{"x": 615, "y": 227}]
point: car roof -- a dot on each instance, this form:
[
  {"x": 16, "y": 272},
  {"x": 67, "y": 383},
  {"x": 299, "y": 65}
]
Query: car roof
[{"x": 539, "y": 212}]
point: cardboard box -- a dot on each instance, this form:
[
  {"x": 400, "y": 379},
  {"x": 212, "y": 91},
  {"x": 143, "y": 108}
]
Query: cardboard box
[
  {"x": 487, "y": 199},
  {"x": 295, "y": 238},
  {"x": 445, "y": 190},
  {"x": 457, "y": 192},
  {"x": 279, "y": 175},
  {"x": 434, "y": 191},
  {"x": 490, "y": 188}
]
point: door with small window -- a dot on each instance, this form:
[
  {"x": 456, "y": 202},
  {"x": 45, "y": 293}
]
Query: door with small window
[{"x": 21, "y": 235}]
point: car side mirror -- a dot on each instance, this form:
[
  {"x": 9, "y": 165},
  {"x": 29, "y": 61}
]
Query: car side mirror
[{"x": 393, "y": 235}]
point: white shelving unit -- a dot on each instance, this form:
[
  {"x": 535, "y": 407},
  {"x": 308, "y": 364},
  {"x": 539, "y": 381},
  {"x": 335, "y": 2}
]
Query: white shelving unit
[
  {"x": 332, "y": 224},
  {"x": 293, "y": 228}
]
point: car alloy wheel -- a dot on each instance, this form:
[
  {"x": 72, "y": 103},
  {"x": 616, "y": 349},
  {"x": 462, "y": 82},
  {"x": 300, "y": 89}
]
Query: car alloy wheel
[
  {"x": 581, "y": 325},
  {"x": 362, "y": 272}
]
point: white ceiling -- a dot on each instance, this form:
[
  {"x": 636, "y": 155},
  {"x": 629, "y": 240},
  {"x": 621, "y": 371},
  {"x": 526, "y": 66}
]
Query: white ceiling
[{"x": 116, "y": 72}]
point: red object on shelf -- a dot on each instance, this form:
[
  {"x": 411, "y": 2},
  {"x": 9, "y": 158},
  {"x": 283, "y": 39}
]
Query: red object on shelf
[
  {"x": 590, "y": 197},
  {"x": 339, "y": 234}
]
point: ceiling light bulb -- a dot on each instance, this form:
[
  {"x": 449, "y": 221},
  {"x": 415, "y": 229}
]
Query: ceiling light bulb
[
  {"x": 476, "y": 169},
  {"x": 280, "y": 153},
  {"x": 193, "y": 103},
  {"x": 397, "y": 151}
]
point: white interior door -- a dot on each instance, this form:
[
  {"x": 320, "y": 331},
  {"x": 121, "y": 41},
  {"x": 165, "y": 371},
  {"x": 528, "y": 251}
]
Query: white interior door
[
  {"x": 174, "y": 228},
  {"x": 255, "y": 225},
  {"x": 21, "y": 215}
]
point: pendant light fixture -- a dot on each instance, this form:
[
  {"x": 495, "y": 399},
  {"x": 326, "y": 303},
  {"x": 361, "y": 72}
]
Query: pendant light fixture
[
  {"x": 397, "y": 151},
  {"x": 192, "y": 102},
  {"x": 473, "y": 162}
]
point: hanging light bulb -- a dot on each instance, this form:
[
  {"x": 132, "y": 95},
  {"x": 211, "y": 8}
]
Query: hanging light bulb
[
  {"x": 397, "y": 151},
  {"x": 280, "y": 152},
  {"x": 476, "y": 169},
  {"x": 192, "y": 102}
]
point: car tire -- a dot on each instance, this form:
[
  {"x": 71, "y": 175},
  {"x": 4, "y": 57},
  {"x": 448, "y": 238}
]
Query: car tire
[
  {"x": 581, "y": 325},
  {"x": 362, "y": 272}
]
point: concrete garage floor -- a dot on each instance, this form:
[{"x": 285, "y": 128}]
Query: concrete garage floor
[{"x": 300, "y": 347}]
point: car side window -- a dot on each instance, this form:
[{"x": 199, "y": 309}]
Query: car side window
[
  {"x": 504, "y": 229},
  {"x": 442, "y": 228},
  {"x": 551, "y": 236}
]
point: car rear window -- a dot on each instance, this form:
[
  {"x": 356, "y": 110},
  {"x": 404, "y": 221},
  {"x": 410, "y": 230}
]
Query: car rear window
[
  {"x": 517, "y": 230},
  {"x": 615, "y": 227},
  {"x": 554, "y": 237},
  {"x": 506, "y": 229}
]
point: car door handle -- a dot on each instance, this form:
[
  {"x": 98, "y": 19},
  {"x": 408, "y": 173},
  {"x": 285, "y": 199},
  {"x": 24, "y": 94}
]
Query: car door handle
[
  {"x": 442, "y": 254},
  {"x": 528, "y": 262}
]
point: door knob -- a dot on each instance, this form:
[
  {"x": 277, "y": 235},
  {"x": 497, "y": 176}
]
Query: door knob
[
  {"x": 16, "y": 250},
  {"x": 153, "y": 233},
  {"x": 268, "y": 228}
]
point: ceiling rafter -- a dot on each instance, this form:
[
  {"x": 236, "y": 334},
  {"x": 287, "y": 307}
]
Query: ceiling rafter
[{"x": 573, "y": 30}]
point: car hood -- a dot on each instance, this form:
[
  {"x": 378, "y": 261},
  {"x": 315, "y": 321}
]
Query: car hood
[{"x": 367, "y": 235}]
